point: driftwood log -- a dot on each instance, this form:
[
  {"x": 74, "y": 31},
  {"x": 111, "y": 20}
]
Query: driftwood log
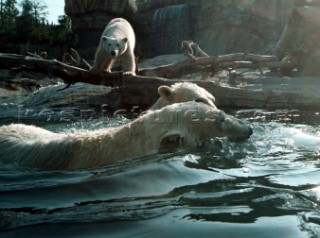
[
  {"x": 214, "y": 64},
  {"x": 71, "y": 74},
  {"x": 141, "y": 90},
  {"x": 200, "y": 62},
  {"x": 73, "y": 58},
  {"x": 301, "y": 93}
]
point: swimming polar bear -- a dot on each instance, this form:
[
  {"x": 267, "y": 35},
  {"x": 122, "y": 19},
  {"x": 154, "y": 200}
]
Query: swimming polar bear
[
  {"x": 192, "y": 122},
  {"x": 182, "y": 92}
]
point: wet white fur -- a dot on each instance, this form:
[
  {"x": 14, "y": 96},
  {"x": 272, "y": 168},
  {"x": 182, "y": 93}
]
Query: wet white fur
[
  {"x": 112, "y": 39},
  {"x": 193, "y": 122}
]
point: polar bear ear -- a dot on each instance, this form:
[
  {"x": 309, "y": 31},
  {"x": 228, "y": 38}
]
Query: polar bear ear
[
  {"x": 104, "y": 38},
  {"x": 166, "y": 93},
  {"x": 125, "y": 40}
]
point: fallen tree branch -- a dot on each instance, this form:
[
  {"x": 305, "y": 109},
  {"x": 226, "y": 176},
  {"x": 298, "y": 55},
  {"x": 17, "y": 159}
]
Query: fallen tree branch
[
  {"x": 73, "y": 58},
  {"x": 215, "y": 64},
  {"x": 212, "y": 64},
  {"x": 142, "y": 90},
  {"x": 192, "y": 50},
  {"x": 69, "y": 74},
  {"x": 200, "y": 62}
]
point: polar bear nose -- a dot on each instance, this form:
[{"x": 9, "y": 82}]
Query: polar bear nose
[{"x": 113, "y": 53}]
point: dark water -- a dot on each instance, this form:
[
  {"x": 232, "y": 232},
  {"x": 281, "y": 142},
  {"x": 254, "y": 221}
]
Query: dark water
[{"x": 268, "y": 186}]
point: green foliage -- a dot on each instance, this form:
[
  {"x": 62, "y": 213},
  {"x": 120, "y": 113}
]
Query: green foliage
[
  {"x": 65, "y": 34},
  {"x": 30, "y": 30},
  {"x": 25, "y": 26},
  {"x": 10, "y": 13},
  {"x": 8, "y": 17}
]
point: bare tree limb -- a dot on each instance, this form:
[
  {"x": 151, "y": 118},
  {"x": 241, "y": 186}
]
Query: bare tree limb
[
  {"x": 73, "y": 58},
  {"x": 214, "y": 63},
  {"x": 69, "y": 74}
]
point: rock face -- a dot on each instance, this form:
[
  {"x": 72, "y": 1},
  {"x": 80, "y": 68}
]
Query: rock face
[
  {"x": 92, "y": 14},
  {"x": 219, "y": 27},
  {"x": 240, "y": 26},
  {"x": 307, "y": 36},
  {"x": 89, "y": 18}
]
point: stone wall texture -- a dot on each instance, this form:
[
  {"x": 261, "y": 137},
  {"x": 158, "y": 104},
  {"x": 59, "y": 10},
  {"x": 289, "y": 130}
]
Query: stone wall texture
[{"x": 219, "y": 27}]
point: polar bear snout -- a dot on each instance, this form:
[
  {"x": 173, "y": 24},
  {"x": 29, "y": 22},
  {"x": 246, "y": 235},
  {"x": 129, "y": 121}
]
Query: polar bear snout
[
  {"x": 240, "y": 131},
  {"x": 234, "y": 129},
  {"x": 113, "y": 53},
  {"x": 246, "y": 136}
]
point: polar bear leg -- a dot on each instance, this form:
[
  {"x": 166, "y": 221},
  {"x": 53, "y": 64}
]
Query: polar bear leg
[
  {"x": 108, "y": 64},
  {"x": 102, "y": 62},
  {"x": 128, "y": 64},
  {"x": 99, "y": 62}
]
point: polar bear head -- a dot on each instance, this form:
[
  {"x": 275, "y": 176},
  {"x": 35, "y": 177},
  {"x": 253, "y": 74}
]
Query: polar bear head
[
  {"x": 196, "y": 122},
  {"x": 114, "y": 46},
  {"x": 182, "y": 92},
  {"x": 209, "y": 122}
]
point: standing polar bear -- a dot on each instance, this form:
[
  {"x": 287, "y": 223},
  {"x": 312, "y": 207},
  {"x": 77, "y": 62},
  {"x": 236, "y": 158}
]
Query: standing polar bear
[{"x": 117, "y": 43}]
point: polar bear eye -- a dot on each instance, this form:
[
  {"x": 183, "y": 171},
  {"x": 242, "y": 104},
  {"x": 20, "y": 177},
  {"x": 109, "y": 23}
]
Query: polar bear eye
[
  {"x": 118, "y": 45},
  {"x": 201, "y": 100},
  {"x": 222, "y": 118}
]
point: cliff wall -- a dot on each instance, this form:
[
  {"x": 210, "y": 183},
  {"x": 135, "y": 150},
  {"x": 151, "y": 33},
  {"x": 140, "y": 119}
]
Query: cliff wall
[{"x": 221, "y": 26}]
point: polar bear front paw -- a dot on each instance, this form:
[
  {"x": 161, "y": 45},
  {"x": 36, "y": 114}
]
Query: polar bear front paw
[{"x": 130, "y": 73}]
